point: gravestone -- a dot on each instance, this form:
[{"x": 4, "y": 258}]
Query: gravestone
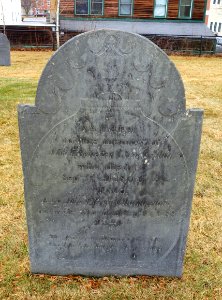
[
  {"x": 109, "y": 156},
  {"x": 4, "y": 50}
]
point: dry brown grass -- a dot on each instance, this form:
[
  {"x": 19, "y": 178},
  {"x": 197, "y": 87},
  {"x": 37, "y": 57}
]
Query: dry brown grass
[{"x": 202, "y": 278}]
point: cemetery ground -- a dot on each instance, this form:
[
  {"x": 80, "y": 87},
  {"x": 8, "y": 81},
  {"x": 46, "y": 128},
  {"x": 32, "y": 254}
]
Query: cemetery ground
[{"x": 202, "y": 276}]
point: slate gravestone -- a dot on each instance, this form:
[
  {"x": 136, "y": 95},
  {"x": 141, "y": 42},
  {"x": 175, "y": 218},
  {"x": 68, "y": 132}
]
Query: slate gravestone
[
  {"x": 4, "y": 50},
  {"x": 109, "y": 159}
]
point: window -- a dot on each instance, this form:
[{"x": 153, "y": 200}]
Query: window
[
  {"x": 96, "y": 7},
  {"x": 215, "y": 26},
  {"x": 211, "y": 25},
  {"x": 218, "y": 1},
  {"x": 214, "y": 1},
  {"x": 89, "y": 7},
  {"x": 160, "y": 8},
  {"x": 219, "y": 27},
  {"x": 82, "y": 7},
  {"x": 185, "y": 9},
  {"x": 125, "y": 7}
]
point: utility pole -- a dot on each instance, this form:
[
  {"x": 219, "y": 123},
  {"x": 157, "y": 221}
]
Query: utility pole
[{"x": 57, "y": 24}]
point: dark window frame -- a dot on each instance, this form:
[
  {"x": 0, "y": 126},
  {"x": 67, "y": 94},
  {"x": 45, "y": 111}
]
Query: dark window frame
[
  {"x": 166, "y": 10},
  {"x": 126, "y": 4},
  {"x": 184, "y": 5},
  {"x": 215, "y": 27},
  {"x": 89, "y": 9}
]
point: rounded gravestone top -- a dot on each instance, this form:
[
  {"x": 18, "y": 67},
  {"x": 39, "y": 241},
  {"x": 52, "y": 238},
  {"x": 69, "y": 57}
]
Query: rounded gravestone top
[{"x": 104, "y": 64}]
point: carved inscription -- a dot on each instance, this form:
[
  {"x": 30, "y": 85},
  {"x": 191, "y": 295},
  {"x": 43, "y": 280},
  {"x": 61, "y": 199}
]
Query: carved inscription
[{"x": 129, "y": 166}]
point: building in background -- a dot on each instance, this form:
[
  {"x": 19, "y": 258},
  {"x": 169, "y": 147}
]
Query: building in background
[
  {"x": 10, "y": 12},
  {"x": 176, "y": 24},
  {"x": 35, "y": 7},
  {"x": 214, "y": 16},
  {"x": 29, "y": 32},
  {"x": 40, "y": 7}
]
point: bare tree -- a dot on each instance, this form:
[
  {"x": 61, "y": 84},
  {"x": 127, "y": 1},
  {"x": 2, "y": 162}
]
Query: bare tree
[{"x": 26, "y": 4}]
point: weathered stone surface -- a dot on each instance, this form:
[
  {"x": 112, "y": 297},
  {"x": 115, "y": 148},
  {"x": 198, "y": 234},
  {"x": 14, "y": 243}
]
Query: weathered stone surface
[
  {"x": 4, "y": 50},
  {"x": 109, "y": 159}
]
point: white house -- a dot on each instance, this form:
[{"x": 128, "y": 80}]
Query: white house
[
  {"x": 10, "y": 12},
  {"x": 214, "y": 16}
]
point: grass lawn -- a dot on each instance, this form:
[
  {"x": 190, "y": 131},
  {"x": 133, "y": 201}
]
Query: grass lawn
[{"x": 202, "y": 277}]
